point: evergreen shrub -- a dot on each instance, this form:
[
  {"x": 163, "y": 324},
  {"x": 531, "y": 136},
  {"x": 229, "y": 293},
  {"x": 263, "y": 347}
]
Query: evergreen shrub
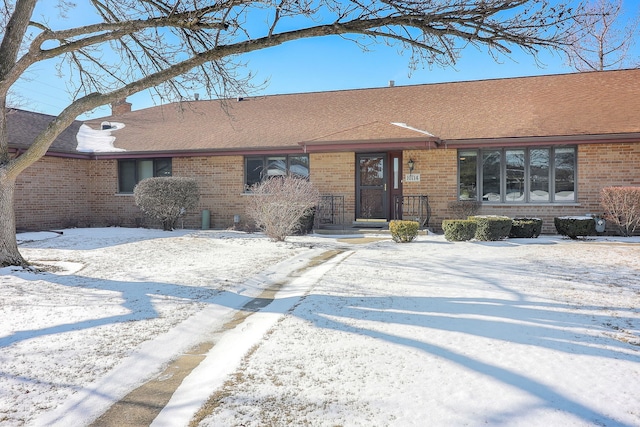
[
  {"x": 403, "y": 231},
  {"x": 459, "y": 230},
  {"x": 525, "y": 227},
  {"x": 575, "y": 226},
  {"x": 491, "y": 227}
]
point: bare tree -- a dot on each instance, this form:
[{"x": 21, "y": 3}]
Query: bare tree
[
  {"x": 173, "y": 45},
  {"x": 604, "y": 39}
]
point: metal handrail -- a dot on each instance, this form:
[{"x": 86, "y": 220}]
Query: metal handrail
[
  {"x": 414, "y": 208},
  {"x": 330, "y": 210}
]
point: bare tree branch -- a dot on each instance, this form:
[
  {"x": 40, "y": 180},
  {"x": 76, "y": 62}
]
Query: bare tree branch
[
  {"x": 606, "y": 35},
  {"x": 171, "y": 46}
]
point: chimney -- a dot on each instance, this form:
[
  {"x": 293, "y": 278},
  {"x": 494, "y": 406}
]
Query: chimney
[{"x": 120, "y": 107}]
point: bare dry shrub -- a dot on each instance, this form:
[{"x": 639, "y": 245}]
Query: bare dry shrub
[
  {"x": 166, "y": 198},
  {"x": 463, "y": 209},
  {"x": 622, "y": 207},
  {"x": 278, "y": 204}
]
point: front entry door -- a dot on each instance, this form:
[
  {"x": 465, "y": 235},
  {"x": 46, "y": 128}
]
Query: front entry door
[{"x": 371, "y": 187}]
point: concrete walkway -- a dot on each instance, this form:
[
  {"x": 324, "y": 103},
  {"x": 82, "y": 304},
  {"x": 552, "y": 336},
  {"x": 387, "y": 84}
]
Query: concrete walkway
[{"x": 142, "y": 406}]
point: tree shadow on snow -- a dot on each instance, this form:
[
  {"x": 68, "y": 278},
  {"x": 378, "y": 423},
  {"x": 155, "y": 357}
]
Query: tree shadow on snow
[{"x": 514, "y": 319}]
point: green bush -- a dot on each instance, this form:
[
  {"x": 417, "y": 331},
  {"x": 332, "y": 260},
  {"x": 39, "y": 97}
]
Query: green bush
[
  {"x": 525, "y": 227},
  {"x": 459, "y": 230},
  {"x": 491, "y": 227},
  {"x": 574, "y": 226},
  {"x": 403, "y": 231}
]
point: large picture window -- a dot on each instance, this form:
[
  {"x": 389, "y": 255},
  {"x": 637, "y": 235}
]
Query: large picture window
[
  {"x": 518, "y": 175},
  {"x": 131, "y": 172},
  {"x": 259, "y": 168}
]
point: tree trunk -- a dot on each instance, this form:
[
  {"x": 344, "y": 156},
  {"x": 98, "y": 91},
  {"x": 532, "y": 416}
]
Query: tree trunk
[{"x": 9, "y": 254}]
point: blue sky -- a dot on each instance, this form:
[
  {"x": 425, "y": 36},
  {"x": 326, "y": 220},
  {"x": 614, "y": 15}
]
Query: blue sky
[{"x": 320, "y": 64}]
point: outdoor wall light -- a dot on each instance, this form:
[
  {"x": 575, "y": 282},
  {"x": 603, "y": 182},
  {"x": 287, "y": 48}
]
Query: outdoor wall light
[{"x": 411, "y": 164}]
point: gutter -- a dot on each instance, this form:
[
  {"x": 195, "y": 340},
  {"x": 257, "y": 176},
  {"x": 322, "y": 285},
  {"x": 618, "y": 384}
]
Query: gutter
[{"x": 633, "y": 137}]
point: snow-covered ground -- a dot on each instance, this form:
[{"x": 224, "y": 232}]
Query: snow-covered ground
[{"x": 531, "y": 332}]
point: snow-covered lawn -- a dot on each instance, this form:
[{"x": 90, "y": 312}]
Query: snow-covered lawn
[{"x": 531, "y": 332}]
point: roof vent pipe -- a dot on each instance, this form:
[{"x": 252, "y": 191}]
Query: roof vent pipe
[
  {"x": 196, "y": 96},
  {"x": 392, "y": 83}
]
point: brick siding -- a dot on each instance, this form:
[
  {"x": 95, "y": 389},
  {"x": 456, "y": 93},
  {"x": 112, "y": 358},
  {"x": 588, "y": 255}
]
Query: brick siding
[
  {"x": 334, "y": 174},
  {"x": 599, "y": 166},
  {"x": 57, "y": 192},
  {"x": 52, "y": 193}
]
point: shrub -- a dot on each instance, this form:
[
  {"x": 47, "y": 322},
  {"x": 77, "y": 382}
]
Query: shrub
[
  {"x": 491, "y": 227},
  {"x": 166, "y": 198},
  {"x": 525, "y": 227},
  {"x": 278, "y": 205},
  {"x": 574, "y": 226},
  {"x": 403, "y": 231},
  {"x": 464, "y": 208},
  {"x": 459, "y": 230},
  {"x": 622, "y": 207},
  {"x": 305, "y": 225}
]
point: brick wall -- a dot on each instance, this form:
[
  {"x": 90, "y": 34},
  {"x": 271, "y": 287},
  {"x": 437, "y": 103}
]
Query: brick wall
[
  {"x": 221, "y": 182},
  {"x": 57, "y": 193},
  {"x": 334, "y": 174},
  {"x": 52, "y": 193},
  {"x": 599, "y": 166},
  {"x": 438, "y": 179},
  {"x": 220, "y": 179},
  {"x": 108, "y": 208}
]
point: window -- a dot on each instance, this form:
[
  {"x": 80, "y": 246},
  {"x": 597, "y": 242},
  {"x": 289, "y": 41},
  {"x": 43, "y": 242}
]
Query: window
[
  {"x": 564, "y": 162},
  {"x": 468, "y": 175},
  {"x": 514, "y": 185},
  {"x": 539, "y": 175},
  {"x": 259, "y": 168},
  {"x": 518, "y": 175},
  {"x": 491, "y": 176},
  {"x": 131, "y": 172}
]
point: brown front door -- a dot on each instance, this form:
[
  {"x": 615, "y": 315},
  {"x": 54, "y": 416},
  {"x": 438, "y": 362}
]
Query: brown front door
[
  {"x": 378, "y": 183},
  {"x": 371, "y": 187}
]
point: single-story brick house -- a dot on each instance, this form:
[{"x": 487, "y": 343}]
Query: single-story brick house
[{"x": 534, "y": 146}]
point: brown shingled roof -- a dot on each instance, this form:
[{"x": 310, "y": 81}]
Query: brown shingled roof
[
  {"x": 23, "y": 127},
  {"x": 584, "y": 104}
]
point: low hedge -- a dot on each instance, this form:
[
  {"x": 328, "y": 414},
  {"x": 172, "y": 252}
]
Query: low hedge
[
  {"x": 403, "y": 231},
  {"x": 575, "y": 226},
  {"x": 459, "y": 230},
  {"x": 525, "y": 227},
  {"x": 491, "y": 227}
]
